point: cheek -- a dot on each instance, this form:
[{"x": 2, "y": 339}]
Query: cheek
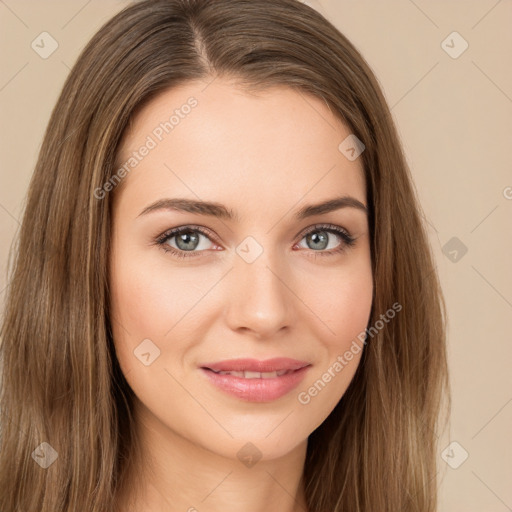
[
  {"x": 330, "y": 379},
  {"x": 341, "y": 301},
  {"x": 145, "y": 304},
  {"x": 150, "y": 297}
]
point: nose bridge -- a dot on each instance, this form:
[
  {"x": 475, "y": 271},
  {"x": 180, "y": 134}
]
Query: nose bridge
[{"x": 259, "y": 299}]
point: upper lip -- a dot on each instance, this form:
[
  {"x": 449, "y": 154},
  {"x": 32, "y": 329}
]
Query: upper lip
[{"x": 254, "y": 365}]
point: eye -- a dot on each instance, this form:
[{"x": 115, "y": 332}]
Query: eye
[
  {"x": 188, "y": 239},
  {"x": 318, "y": 239}
]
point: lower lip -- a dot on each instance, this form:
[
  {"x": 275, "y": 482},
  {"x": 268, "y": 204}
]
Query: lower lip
[{"x": 257, "y": 390}]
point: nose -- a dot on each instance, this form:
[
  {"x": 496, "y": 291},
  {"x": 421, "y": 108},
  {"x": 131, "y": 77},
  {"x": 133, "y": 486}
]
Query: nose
[{"x": 258, "y": 296}]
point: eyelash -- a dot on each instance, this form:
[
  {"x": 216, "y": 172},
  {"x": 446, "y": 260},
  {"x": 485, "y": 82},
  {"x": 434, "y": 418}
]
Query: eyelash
[{"x": 347, "y": 239}]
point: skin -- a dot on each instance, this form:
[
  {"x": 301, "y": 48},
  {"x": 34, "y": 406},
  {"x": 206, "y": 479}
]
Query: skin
[{"x": 264, "y": 155}]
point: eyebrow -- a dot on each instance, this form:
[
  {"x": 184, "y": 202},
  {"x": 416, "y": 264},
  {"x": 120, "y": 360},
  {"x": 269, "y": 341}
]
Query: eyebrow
[{"x": 220, "y": 211}]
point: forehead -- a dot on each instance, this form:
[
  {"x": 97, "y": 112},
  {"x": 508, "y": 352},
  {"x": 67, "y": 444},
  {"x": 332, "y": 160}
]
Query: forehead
[{"x": 219, "y": 142}]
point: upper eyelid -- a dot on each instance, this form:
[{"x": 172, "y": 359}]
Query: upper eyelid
[
  {"x": 326, "y": 226},
  {"x": 171, "y": 233}
]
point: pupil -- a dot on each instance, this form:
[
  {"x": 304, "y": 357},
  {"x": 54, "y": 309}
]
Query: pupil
[
  {"x": 182, "y": 243},
  {"x": 319, "y": 238}
]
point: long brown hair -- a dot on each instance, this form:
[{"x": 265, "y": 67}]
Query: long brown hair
[{"x": 61, "y": 383}]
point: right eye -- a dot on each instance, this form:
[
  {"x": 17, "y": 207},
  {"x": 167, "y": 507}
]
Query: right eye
[{"x": 188, "y": 238}]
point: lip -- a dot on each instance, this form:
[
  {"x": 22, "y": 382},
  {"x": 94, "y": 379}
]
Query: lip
[{"x": 256, "y": 389}]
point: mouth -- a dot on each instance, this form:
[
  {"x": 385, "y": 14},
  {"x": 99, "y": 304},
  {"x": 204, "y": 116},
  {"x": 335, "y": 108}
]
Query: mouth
[{"x": 256, "y": 381}]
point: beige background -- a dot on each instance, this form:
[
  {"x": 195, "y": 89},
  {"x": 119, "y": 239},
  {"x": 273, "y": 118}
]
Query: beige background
[{"x": 455, "y": 119}]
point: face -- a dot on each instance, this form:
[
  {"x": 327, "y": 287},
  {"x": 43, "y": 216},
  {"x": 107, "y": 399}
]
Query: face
[{"x": 258, "y": 275}]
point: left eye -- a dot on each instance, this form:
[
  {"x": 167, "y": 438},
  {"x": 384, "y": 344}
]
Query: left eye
[{"x": 318, "y": 239}]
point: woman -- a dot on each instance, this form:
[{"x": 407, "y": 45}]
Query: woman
[{"x": 174, "y": 337}]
